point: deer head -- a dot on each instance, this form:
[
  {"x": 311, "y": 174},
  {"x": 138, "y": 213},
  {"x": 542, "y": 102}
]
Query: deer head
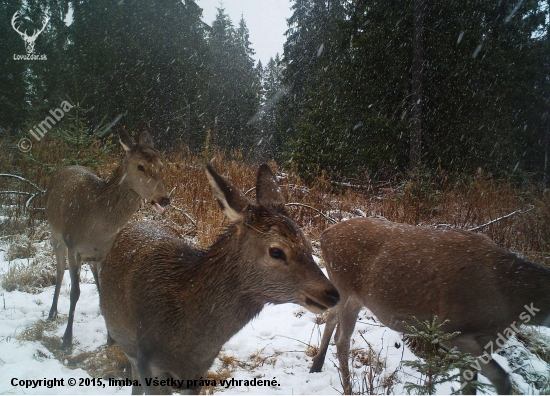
[{"x": 143, "y": 167}]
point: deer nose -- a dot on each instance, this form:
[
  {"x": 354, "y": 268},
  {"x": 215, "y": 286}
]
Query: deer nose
[
  {"x": 165, "y": 202},
  {"x": 333, "y": 296}
]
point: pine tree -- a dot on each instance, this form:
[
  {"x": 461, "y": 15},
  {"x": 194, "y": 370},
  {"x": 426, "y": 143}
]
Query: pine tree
[
  {"x": 233, "y": 93},
  {"x": 435, "y": 363},
  {"x": 271, "y": 139},
  {"x": 145, "y": 58},
  {"x": 348, "y": 66}
]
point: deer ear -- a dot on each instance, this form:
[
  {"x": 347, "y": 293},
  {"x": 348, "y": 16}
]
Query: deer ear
[
  {"x": 145, "y": 137},
  {"x": 268, "y": 192},
  {"x": 125, "y": 139},
  {"x": 231, "y": 199}
]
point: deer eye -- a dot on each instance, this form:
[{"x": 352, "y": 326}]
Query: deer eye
[
  {"x": 277, "y": 253},
  {"x": 141, "y": 168}
]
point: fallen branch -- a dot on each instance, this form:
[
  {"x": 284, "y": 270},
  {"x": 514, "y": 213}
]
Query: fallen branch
[
  {"x": 349, "y": 185},
  {"x": 16, "y": 192},
  {"x": 23, "y": 180},
  {"x": 29, "y": 201},
  {"x": 304, "y": 189},
  {"x": 515, "y": 212},
  {"x": 333, "y": 221},
  {"x": 185, "y": 214}
]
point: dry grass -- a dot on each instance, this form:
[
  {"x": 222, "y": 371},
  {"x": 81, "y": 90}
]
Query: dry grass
[
  {"x": 229, "y": 364},
  {"x": 35, "y": 332},
  {"x": 105, "y": 362},
  {"x": 464, "y": 205},
  {"x": 374, "y": 378},
  {"x": 21, "y": 247},
  {"x": 536, "y": 342},
  {"x": 224, "y": 372},
  {"x": 29, "y": 277},
  {"x": 420, "y": 198}
]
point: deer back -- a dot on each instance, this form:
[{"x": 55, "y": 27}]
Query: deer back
[{"x": 399, "y": 271}]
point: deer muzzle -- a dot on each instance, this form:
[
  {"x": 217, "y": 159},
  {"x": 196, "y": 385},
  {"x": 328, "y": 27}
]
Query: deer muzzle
[
  {"x": 319, "y": 304},
  {"x": 164, "y": 202}
]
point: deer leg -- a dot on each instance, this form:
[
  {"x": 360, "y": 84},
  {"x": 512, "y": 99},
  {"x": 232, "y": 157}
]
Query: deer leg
[
  {"x": 466, "y": 386},
  {"x": 75, "y": 263},
  {"x": 498, "y": 377},
  {"x": 94, "y": 267},
  {"x": 147, "y": 371},
  {"x": 60, "y": 251},
  {"x": 489, "y": 368},
  {"x": 136, "y": 390},
  {"x": 346, "y": 324},
  {"x": 319, "y": 359}
]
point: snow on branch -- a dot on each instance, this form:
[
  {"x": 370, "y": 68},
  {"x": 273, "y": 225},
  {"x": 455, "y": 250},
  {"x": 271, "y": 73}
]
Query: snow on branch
[
  {"x": 30, "y": 195},
  {"x": 23, "y": 180},
  {"x": 515, "y": 212}
]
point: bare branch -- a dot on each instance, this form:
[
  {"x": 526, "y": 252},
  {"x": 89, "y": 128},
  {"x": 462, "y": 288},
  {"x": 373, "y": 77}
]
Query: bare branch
[
  {"x": 16, "y": 192},
  {"x": 333, "y": 221},
  {"x": 24, "y": 180},
  {"x": 515, "y": 212},
  {"x": 185, "y": 214},
  {"x": 29, "y": 202},
  {"x": 304, "y": 189}
]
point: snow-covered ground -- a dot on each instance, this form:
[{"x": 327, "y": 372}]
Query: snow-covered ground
[{"x": 278, "y": 336}]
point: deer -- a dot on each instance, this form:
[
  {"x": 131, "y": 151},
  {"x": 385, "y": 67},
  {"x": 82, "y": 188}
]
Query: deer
[
  {"x": 29, "y": 40},
  {"x": 86, "y": 212},
  {"x": 401, "y": 272},
  {"x": 171, "y": 307}
]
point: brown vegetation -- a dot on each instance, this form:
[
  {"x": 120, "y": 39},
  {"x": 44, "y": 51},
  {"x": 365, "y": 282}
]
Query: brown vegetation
[{"x": 426, "y": 199}]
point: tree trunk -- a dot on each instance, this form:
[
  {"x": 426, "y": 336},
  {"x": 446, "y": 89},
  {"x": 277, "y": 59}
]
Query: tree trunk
[{"x": 416, "y": 76}]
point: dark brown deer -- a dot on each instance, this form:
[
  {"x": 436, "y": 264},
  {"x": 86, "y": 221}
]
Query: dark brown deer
[
  {"x": 172, "y": 307},
  {"x": 85, "y": 212},
  {"x": 399, "y": 271}
]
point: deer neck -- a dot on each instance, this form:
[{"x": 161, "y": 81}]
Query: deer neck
[
  {"x": 230, "y": 286},
  {"x": 118, "y": 199}
]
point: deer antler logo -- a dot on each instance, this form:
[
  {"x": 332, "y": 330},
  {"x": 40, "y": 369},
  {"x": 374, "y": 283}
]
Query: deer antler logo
[{"x": 29, "y": 40}]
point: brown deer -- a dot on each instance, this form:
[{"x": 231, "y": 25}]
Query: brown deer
[
  {"x": 400, "y": 271},
  {"x": 85, "y": 212},
  {"x": 171, "y": 307}
]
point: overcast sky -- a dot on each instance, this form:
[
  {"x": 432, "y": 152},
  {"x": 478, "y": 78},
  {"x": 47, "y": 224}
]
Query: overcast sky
[{"x": 265, "y": 19}]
